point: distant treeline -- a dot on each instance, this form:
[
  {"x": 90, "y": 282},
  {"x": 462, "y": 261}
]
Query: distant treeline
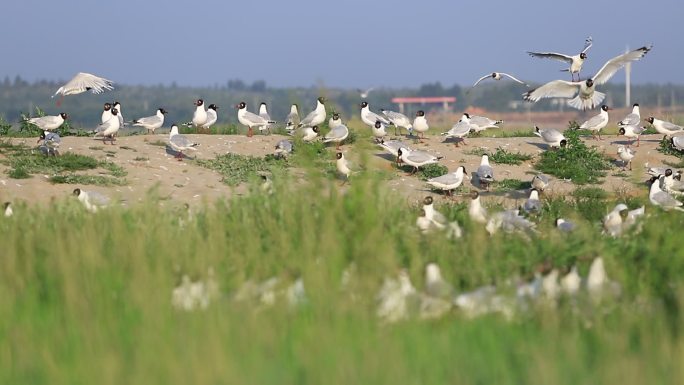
[{"x": 18, "y": 96}]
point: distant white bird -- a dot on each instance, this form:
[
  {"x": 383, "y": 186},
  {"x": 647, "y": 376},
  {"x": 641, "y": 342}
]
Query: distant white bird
[
  {"x": 666, "y": 128},
  {"x": 151, "y": 123},
  {"x": 612, "y": 222},
  {"x": 459, "y": 130},
  {"x": 533, "y": 205},
  {"x": 420, "y": 124},
  {"x": 343, "y": 166},
  {"x": 250, "y": 119},
  {"x": 337, "y": 135},
  {"x": 485, "y": 173},
  {"x": 310, "y": 133},
  {"x": 632, "y": 132},
  {"x": 598, "y": 284},
  {"x": 510, "y": 221},
  {"x": 364, "y": 93},
  {"x": 51, "y": 141},
  {"x": 180, "y": 142},
  {"x": 369, "y": 117},
  {"x": 481, "y": 123},
  {"x": 540, "y": 182},
  {"x": 432, "y": 214},
  {"x": 476, "y": 212},
  {"x": 109, "y": 128},
  {"x": 315, "y": 117},
  {"x": 564, "y": 225},
  {"x": 263, "y": 112},
  {"x": 292, "y": 120},
  {"x": 450, "y": 181},
  {"x": 394, "y": 298},
  {"x": 379, "y": 130},
  {"x": 49, "y": 122},
  {"x": 7, "y": 208},
  {"x": 596, "y": 123},
  {"x": 626, "y": 154},
  {"x": 435, "y": 285},
  {"x": 200, "y": 114},
  {"x": 398, "y": 120},
  {"x": 658, "y": 197},
  {"x": 497, "y": 76},
  {"x": 583, "y": 95},
  {"x": 106, "y": 113},
  {"x": 416, "y": 158},
  {"x": 550, "y": 287},
  {"x": 91, "y": 200},
  {"x": 571, "y": 283},
  {"x": 83, "y": 82},
  {"x": 575, "y": 61},
  {"x": 551, "y": 136},
  {"x": 633, "y": 118}
]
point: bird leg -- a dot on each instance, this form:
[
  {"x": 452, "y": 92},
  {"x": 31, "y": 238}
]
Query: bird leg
[
  {"x": 250, "y": 133},
  {"x": 179, "y": 156},
  {"x": 415, "y": 170}
]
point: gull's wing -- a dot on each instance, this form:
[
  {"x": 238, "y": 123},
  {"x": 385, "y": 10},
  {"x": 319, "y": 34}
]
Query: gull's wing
[
  {"x": 84, "y": 81},
  {"x": 613, "y": 65},
  {"x": 671, "y": 126},
  {"x": 308, "y": 119},
  {"x": 513, "y": 78},
  {"x": 447, "y": 179},
  {"x": 254, "y": 118},
  {"x": 553, "y": 89},
  {"x": 338, "y": 132},
  {"x": 148, "y": 121},
  {"x": 551, "y": 55},
  {"x": 484, "y": 171},
  {"x": 551, "y": 135},
  {"x": 666, "y": 200},
  {"x": 420, "y": 157},
  {"x": 459, "y": 129},
  {"x": 592, "y": 122},
  {"x": 587, "y": 44},
  {"x": 481, "y": 79},
  {"x": 396, "y": 117},
  {"x": 45, "y": 120},
  {"x": 630, "y": 120},
  {"x": 181, "y": 141}
]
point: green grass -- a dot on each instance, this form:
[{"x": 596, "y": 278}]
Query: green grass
[
  {"x": 512, "y": 184},
  {"x": 501, "y": 156},
  {"x": 431, "y": 171},
  {"x": 93, "y": 304},
  {"x": 237, "y": 169},
  {"x": 576, "y": 161},
  {"x": 96, "y": 180},
  {"x": 665, "y": 146}
]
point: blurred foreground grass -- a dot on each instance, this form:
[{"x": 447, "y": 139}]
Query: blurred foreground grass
[{"x": 87, "y": 298}]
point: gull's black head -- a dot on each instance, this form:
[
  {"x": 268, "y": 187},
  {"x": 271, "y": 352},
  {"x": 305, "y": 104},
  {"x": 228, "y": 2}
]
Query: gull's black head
[
  {"x": 467, "y": 115},
  {"x": 668, "y": 172},
  {"x": 116, "y": 104},
  {"x": 621, "y": 131},
  {"x": 605, "y": 108},
  {"x": 199, "y": 102},
  {"x": 583, "y": 55},
  {"x": 563, "y": 143},
  {"x": 464, "y": 170},
  {"x": 339, "y": 155},
  {"x": 5, "y": 205},
  {"x": 162, "y": 110},
  {"x": 315, "y": 129},
  {"x": 64, "y": 115},
  {"x": 378, "y": 124},
  {"x": 336, "y": 116},
  {"x": 213, "y": 107},
  {"x": 241, "y": 105},
  {"x": 589, "y": 83},
  {"x": 321, "y": 100},
  {"x": 77, "y": 191},
  {"x": 114, "y": 111},
  {"x": 427, "y": 201},
  {"x": 635, "y": 105},
  {"x": 420, "y": 113},
  {"x": 474, "y": 194},
  {"x": 363, "y": 104},
  {"x": 650, "y": 119},
  {"x": 107, "y": 106}
]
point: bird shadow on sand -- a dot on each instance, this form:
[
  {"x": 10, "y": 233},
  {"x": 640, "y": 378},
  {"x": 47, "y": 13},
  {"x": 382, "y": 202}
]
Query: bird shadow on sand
[
  {"x": 542, "y": 146},
  {"x": 171, "y": 151}
]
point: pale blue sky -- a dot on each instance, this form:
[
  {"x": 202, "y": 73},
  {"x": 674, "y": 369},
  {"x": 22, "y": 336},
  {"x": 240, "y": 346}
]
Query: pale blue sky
[{"x": 349, "y": 44}]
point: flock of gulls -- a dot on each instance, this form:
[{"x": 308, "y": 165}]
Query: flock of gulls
[{"x": 398, "y": 298}]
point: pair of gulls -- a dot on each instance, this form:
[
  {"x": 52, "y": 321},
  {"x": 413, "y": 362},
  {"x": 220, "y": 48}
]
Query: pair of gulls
[
  {"x": 378, "y": 122},
  {"x": 202, "y": 118},
  {"x": 468, "y": 124}
]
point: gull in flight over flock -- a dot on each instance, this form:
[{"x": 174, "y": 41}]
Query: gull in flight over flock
[
  {"x": 583, "y": 94},
  {"x": 497, "y": 76},
  {"x": 575, "y": 61},
  {"x": 81, "y": 83}
]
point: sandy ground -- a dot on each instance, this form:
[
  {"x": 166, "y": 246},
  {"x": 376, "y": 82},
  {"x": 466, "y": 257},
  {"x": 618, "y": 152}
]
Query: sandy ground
[{"x": 187, "y": 182}]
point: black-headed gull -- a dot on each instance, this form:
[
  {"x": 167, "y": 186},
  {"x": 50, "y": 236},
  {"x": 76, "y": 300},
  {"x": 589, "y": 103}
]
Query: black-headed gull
[
  {"x": 369, "y": 117},
  {"x": 626, "y": 154},
  {"x": 91, "y": 200},
  {"x": 343, "y": 166},
  {"x": 109, "y": 128},
  {"x": 459, "y": 130},
  {"x": 476, "y": 211},
  {"x": 309, "y": 133},
  {"x": 83, "y": 82},
  {"x": 398, "y": 120},
  {"x": 151, "y": 123},
  {"x": 497, "y": 76},
  {"x": 106, "y": 112},
  {"x": 633, "y": 118},
  {"x": 180, "y": 142},
  {"x": 7, "y": 208},
  {"x": 263, "y": 112},
  {"x": 416, "y": 158},
  {"x": 658, "y": 197},
  {"x": 51, "y": 141},
  {"x": 200, "y": 114},
  {"x": 485, "y": 173},
  {"x": 337, "y": 135},
  {"x": 551, "y": 136},
  {"x": 292, "y": 120},
  {"x": 575, "y": 61},
  {"x": 49, "y": 122},
  {"x": 666, "y": 128},
  {"x": 596, "y": 123},
  {"x": 540, "y": 182},
  {"x": 315, "y": 117},
  {"x": 450, "y": 181},
  {"x": 632, "y": 132},
  {"x": 583, "y": 94},
  {"x": 420, "y": 124},
  {"x": 250, "y": 119}
]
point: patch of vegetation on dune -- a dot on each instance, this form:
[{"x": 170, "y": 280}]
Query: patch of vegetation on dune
[
  {"x": 576, "y": 161},
  {"x": 237, "y": 169}
]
